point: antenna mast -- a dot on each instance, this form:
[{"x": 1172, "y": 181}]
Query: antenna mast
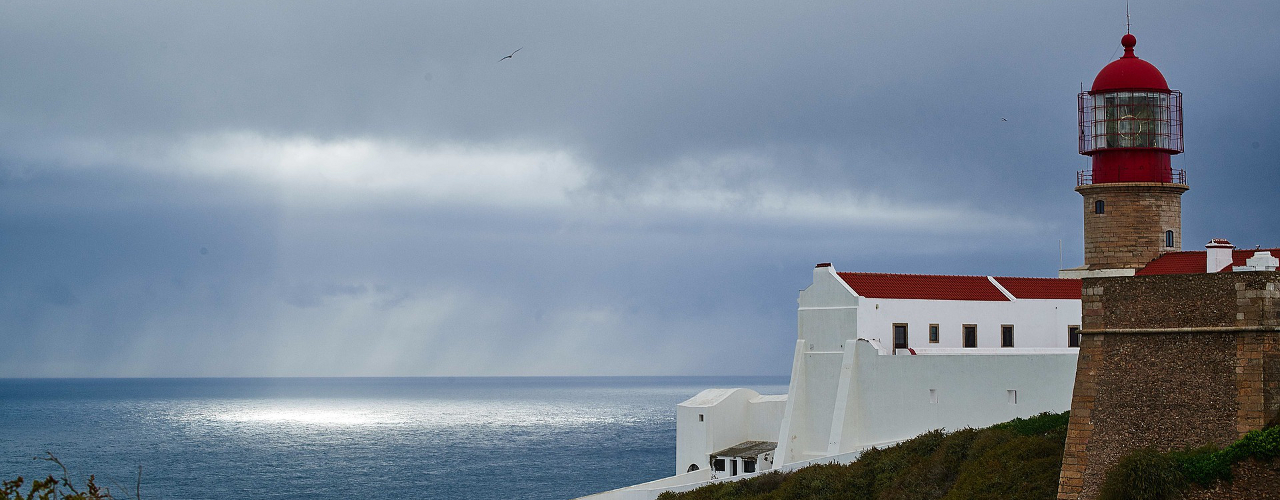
[{"x": 1126, "y": 17}]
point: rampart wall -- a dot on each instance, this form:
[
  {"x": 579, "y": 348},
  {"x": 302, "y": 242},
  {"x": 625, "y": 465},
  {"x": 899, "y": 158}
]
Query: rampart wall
[{"x": 1170, "y": 362}]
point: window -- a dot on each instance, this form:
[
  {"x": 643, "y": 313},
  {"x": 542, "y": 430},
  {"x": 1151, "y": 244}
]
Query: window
[
  {"x": 718, "y": 465},
  {"x": 899, "y": 335},
  {"x": 701, "y": 417},
  {"x": 971, "y": 335},
  {"x": 1013, "y": 397},
  {"x": 933, "y": 334},
  {"x": 1099, "y": 207},
  {"x": 933, "y": 396},
  {"x": 748, "y": 466},
  {"x": 1073, "y": 336},
  {"x": 1168, "y": 238},
  {"x": 1006, "y": 335}
]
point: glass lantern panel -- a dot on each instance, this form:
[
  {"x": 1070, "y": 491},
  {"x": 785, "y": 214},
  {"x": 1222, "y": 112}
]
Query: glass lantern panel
[{"x": 1131, "y": 120}]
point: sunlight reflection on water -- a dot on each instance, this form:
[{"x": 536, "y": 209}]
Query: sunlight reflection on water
[
  {"x": 320, "y": 439},
  {"x": 398, "y": 413}
]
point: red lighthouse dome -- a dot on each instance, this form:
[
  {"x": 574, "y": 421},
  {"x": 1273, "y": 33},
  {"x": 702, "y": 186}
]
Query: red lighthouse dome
[
  {"x": 1129, "y": 73},
  {"x": 1130, "y": 123}
]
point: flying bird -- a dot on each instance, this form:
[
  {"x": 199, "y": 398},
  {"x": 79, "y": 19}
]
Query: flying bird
[{"x": 509, "y": 56}]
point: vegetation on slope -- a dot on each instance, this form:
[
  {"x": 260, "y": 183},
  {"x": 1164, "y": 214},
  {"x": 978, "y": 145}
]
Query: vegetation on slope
[
  {"x": 1146, "y": 474},
  {"x": 1019, "y": 459},
  {"x": 51, "y": 488}
]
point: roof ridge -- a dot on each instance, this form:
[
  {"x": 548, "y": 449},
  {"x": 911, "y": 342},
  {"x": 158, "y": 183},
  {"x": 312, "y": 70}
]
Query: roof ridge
[
  {"x": 913, "y": 274},
  {"x": 1235, "y": 249},
  {"x": 959, "y": 275},
  {"x": 1033, "y": 278}
]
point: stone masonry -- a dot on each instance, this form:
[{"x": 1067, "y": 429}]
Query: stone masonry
[
  {"x": 1130, "y": 231},
  {"x": 1170, "y": 362}
]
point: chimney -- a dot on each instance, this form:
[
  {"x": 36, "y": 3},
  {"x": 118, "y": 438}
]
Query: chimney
[
  {"x": 1261, "y": 261},
  {"x": 822, "y": 270},
  {"x": 1219, "y": 255}
]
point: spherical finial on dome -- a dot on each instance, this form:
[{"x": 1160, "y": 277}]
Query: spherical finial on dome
[{"x": 1128, "y": 41}]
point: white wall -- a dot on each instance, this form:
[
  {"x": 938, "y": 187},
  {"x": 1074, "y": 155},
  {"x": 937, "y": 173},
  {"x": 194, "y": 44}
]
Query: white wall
[
  {"x": 729, "y": 417},
  {"x": 841, "y": 400},
  {"x": 827, "y": 315},
  {"x": 1038, "y": 323},
  {"x": 889, "y": 398}
]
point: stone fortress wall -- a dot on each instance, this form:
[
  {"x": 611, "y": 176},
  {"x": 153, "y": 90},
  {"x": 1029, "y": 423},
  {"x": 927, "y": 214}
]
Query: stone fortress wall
[{"x": 1169, "y": 362}]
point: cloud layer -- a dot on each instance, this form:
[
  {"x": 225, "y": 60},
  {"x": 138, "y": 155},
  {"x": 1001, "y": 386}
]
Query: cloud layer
[{"x": 333, "y": 188}]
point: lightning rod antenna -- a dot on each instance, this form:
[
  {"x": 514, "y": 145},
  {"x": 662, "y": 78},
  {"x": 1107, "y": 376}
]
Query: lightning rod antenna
[{"x": 1126, "y": 17}]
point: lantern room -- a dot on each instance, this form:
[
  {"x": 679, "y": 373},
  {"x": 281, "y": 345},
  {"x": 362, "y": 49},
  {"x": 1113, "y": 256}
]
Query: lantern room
[{"x": 1130, "y": 123}]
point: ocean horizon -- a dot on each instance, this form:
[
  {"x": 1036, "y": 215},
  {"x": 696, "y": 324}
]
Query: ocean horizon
[{"x": 353, "y": 437}]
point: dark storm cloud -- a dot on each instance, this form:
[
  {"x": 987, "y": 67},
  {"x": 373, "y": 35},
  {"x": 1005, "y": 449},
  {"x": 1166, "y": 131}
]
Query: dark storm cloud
[{"x": 345, "y": 188}]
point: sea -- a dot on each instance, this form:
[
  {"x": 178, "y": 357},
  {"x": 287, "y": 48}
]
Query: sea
[{"x": 347, "y": 438}]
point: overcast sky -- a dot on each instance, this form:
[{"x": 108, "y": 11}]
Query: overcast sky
[{"x": 363, "y": 188}]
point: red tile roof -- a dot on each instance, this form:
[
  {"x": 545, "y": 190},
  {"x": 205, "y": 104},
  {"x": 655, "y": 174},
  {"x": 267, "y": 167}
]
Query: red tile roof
[
  {"x": 1041, "y": 288},
  {"x": 922, "y": 286},
  {"x": 1176, "y": 263},
  {"x": 1195, "y": 262}
]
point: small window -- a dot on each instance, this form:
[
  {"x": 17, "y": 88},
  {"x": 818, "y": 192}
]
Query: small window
[
  {"x": 1013, "y": 397},
  {"x": 1073, "y": 336},
  {"x": 748, "y": 466},
  {"x": 971, "y": 335},
  {"x": 718, "y": 465},
  {"x": 1168, "y": 238},
  {"x": 701, "y": 417},
  {"x": 1006, "y": 335},
  {"x": 692, "y": 467},
  {"x": 933, "y": 334},
  {"x": 933, "y": 396},
  {"x": 1099, "y": 207},
  {"x": 899, "y": 335}
]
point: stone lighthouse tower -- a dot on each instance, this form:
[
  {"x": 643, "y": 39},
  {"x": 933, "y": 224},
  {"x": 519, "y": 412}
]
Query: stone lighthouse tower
[{"x": 1130, "y": 127}]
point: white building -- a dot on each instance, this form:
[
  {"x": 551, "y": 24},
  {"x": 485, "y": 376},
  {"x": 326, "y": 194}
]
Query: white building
[{"x": 881, "y": 358}]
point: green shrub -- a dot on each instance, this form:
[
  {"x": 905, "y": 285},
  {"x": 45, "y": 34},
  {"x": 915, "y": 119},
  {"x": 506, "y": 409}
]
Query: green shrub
[
  {"x": 51, "y": 488},
  {"x": 1262, "y": 445},
  {"x": 1020, "y": 459},
  {"x": 1036, "y": 425},
  {"x": 1010, "y": 466},
  {"x": 48, "y": 489},
  {"x": 1143, "y": 474},
  {"x": 1203, "y": 466}
]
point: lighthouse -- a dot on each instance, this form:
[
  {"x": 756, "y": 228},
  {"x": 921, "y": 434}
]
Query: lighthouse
[{"x": 1130, "y": 128}]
